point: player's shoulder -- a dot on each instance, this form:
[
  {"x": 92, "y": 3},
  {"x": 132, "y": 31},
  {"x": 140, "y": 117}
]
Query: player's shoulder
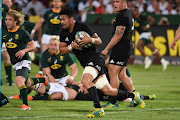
[
  {"x": 46, "y": 53},
  {"x": 5, "y": 6},
  {"x": 22, "y": 31},
  {"x": 124, "y": 13}
]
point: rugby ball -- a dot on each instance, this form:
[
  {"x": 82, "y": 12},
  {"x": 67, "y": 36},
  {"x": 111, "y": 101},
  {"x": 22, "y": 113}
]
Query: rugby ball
[{"x": 81, "y": 34}]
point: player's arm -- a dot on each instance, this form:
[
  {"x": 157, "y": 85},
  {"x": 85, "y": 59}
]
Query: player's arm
[
  {"x": 47, "y": 71},
  {"x": 39, "y": 35},
  {"x": 37, "y": 26},
  {"x": 115, "y": 39},
  {"x": 31, "y": 46},
  {"x": 64, "y": 49},
  {"x": 177, "y": 37},
  {"x": 95, "y": 39},
  {"x": 150, "y": 22},
  {"x": 74, "y": 70}
]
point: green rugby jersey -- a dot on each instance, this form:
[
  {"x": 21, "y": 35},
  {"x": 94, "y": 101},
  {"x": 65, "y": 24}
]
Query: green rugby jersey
[
  {"x": 52, "y": 22},
  {"x": 5, "y": 9},
  {"x": 57, "y": 63},
  {"x": 16, "y": 40},
  {"x": 140, "y": 21},
  {"x": 29, "y": 26}
]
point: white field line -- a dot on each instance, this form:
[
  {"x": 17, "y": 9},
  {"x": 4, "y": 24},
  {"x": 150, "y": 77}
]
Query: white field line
[
  {"x": 170, "y": 85},
  {"x": 55, "y": 116}
]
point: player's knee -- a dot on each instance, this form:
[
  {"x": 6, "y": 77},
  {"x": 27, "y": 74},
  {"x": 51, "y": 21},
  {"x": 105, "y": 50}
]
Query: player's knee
[
  {"x": 107, "y": 91},
  {"x": 89, "y": 74},
  {"x": 69, "y": 82}
]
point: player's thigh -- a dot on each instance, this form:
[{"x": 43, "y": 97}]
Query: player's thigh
[
  {"x": 140, "y": 43},
  {"x": 114, "y": 69},
  {"x": 57, "y": 96},
  {"x": 151, "y": 46}
]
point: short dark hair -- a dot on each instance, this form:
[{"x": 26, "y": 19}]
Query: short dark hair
[{"x": 67, "y": 11}]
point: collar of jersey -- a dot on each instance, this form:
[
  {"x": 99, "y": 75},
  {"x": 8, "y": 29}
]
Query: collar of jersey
[
  {"x": 14, "y": 30},
  {"x": 137, "y": 15},
  {"x": 56, "y": 11},
  {"x": 52, "y": 53}
]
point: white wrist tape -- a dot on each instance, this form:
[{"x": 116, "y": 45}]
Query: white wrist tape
[
  {"x": 147, "y": 26},
  {"x": 33, "y": 31},
  {"x": 93, "y": 40},
  {"x": 70, "y": 47},
  {"x": 71, "y": 77}
]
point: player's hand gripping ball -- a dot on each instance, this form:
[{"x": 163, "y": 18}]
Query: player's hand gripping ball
[{"x": 81, "y": 34}]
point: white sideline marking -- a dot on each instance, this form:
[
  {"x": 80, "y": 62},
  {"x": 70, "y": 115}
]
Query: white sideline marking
[
  {"x": 55, "y": 116},
  {"x": 170, "y": 85}
]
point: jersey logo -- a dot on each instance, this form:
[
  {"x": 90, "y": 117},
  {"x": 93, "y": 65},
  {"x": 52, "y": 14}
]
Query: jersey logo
[
  {"x": 4, "y": 37},
  {"x": 114, "y": 19},
  {"x": 50, "y": 15},
  {"x": 55, "y": 61},
  {"x": 112, "y": 61},
  {"x": 61, "y": 58},
  {"x": 10, "y": 39},
  {"x": 98, "y": 67},
  {"x": 91, "y": 63},
  {"x": 11, "y": 45},
  {"x": 49, "y": 59},
  {"x": 67, "y": 39},
  {"x": 16, "y": 36},
  {"x": 120, "y": 63},
  {"x": 55, "y": 20},
  {"x": 56, "y": 66}
]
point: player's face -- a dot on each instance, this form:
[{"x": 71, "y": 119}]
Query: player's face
[
  {"x": 54, "y": 46},
  {"x": 135, "y": 12},
  {"x": 8, "y": 3},
  {"x": 118, "y": 5},
  {"x": 65, "y": 21},
  {"x": 57, "y": 3},
  {"x": 10, "y": 22}
]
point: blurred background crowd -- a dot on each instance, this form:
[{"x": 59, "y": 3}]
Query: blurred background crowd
[{"x": 34, "y": 9}]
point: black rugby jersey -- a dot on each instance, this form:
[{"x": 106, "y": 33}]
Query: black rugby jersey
[
  {"x": 85, "y": 54},
  {"x": 124, "y": 18}
]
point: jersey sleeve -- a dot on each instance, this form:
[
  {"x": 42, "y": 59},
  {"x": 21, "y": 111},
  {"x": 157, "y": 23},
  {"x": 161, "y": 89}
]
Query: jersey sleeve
[
  {"x": 88, "y": 29},
  {"x": 69, "y": 59},
  {"x": 45, "y": 16},
  {"x": 43, "y": 61},
  {"x": 27, "y": 38},
  {"x": 121, "y": 20}
]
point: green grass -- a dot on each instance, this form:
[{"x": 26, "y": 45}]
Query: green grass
[{"x": 165, "y": 84}]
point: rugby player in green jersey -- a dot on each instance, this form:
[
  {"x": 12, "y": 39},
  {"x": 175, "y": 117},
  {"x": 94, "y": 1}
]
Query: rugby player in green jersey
[
  {"x": 54, "y": 64},
  {"x": 18, "y": 43},
  {"x": 142, "y": 25}
]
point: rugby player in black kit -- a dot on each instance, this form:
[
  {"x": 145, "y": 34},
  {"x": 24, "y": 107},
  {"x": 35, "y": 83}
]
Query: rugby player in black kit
[
  {"x": 93, "y": 62},
  {"x": 120, "y": 44}
]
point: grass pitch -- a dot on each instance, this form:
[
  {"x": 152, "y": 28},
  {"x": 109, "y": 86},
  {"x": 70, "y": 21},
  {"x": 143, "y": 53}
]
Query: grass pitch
[{"x": 166, "y": 106}]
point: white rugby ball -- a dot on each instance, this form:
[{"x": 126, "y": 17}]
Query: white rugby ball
[{"x": 81, "y": 34}]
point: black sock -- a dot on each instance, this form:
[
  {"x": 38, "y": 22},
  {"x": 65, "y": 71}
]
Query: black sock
[
  {"x": 144, "y": 97},
  {"x": 43, "y": 97},
  {"x": 3, "y": 100},
  {"x": 93, "y": 93},
  {"x": 113, "y": 99},
  {"x": 122, "y": 95}
]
